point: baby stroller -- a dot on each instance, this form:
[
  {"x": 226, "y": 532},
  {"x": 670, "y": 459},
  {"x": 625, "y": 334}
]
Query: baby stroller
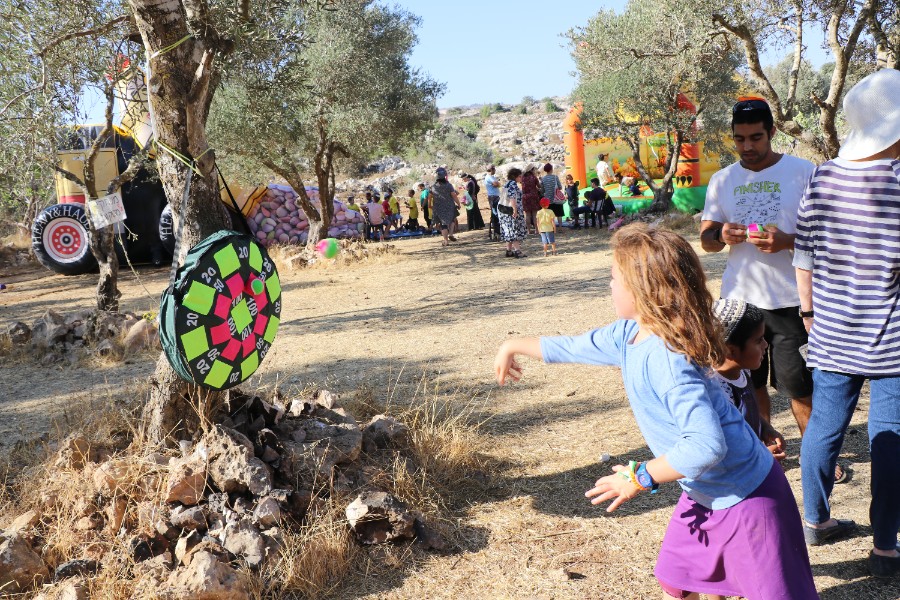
[{"x": 494, "y": 226}]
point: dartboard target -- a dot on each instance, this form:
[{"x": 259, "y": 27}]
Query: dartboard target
[{"x": 227, "y": 312}]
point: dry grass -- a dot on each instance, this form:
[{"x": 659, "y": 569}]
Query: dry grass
[
  {"x": 289, "y": 258},
  {"x": 317, "y": 557},
  {"x": 314, "y": 559}
]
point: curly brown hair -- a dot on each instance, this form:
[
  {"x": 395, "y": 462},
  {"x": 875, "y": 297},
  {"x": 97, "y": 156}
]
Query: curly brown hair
[{"x": 666, "y": 278}]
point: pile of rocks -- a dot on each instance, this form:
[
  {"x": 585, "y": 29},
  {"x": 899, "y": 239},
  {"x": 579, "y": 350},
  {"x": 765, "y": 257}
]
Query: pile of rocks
[
  {"x": 189, "y": 520},
  {"x": 278, "y": 217},
  {"x": 59, "y": 337}
]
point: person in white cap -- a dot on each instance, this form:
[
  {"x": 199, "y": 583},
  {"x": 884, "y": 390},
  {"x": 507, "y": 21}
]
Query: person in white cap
[{"x": 847, "y": 259}]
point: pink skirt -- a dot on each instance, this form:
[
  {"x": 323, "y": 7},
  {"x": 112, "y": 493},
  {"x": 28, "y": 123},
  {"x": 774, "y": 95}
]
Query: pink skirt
[{"x": 753, "y": 549}]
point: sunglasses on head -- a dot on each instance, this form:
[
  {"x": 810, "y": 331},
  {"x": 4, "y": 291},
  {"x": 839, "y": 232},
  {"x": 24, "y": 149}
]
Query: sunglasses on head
[{"x": 749, "y": 105}]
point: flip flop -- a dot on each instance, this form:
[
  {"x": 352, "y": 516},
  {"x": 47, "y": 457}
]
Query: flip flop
[{"x": 841, "y": 475}]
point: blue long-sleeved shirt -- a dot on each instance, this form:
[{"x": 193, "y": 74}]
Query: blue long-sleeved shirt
[{"x": 681, "y": 412}]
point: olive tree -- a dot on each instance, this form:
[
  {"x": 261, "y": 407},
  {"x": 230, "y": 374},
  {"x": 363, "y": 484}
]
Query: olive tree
[
  {"x": 849, "y": 27},
  {"x": 642, "y": 77},
  {"x": 53, "y": 53},
  {"x": 347, "y": 92}
]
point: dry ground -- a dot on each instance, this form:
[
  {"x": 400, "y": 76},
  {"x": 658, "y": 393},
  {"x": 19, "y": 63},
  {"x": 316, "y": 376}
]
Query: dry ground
[{"x": 383, "y": 323}]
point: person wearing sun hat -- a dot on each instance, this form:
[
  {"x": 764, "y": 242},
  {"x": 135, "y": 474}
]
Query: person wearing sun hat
[{"x": 847, "y": 260}]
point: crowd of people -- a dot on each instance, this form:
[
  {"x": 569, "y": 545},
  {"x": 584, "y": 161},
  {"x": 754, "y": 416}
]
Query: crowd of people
[
  {"x": 809, "y": 303},
  {"x": 441, "y": 205}
]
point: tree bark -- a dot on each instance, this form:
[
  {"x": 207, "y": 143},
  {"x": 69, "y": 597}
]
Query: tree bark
[
  {"x": 182, "y": 80},
  {"x": 292, "y": 175}
]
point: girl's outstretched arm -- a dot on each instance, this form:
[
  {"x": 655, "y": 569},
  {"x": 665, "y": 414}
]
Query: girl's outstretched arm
[
  {"x": 505, "y": 364},
  {"x": 620, "y": 488}
]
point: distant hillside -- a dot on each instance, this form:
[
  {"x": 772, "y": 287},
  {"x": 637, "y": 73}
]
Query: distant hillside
[{"x": 469, "y": 138}]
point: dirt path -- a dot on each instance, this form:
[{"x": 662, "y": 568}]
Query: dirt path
[{"x": 443, "y": 312}]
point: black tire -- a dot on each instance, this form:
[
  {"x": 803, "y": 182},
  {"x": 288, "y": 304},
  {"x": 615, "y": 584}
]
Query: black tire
[
  {"x": 166, "y": 232},
  {"x": 59, "y": 238}
]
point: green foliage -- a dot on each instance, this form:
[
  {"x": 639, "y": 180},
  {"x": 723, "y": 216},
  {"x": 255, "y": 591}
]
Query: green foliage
[
  {"x": 451, "y": 146},
  {"x": 39, "y": 92},
  {"x": 350, "y": 92},
  {"x": 486, "y": 111},
  {"x": 528, "y": 100},
  {"x": 520, "y": 109},
  {"x": 456, "y": 110},
  {"x": 470, "y": 125},
  {"x": 550, "y": 106},
  {"x": 633, "y": 79}
]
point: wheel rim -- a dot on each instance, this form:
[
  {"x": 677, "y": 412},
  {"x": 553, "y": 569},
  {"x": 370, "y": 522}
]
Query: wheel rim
[{"x": 65, "y": 240}]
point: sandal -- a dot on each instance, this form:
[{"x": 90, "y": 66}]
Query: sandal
[
  {"x": 518, "y": 254},
  {"x": 451, "y": 238},
  {"x": 509, "y": 254},
  {"x": 841, "y": 475}
]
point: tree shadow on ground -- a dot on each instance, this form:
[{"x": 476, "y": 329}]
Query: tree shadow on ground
[{"x": 859, "y": 582}]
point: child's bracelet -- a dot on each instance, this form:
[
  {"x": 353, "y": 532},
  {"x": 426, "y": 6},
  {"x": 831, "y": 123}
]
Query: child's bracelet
[{"x": 636, "y": 472}]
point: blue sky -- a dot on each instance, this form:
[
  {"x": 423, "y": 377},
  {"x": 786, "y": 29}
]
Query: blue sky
[{"x": 489, "y": 51}]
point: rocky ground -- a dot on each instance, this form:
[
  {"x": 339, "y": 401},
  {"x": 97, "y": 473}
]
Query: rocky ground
[{"x": 423, "y": 322}]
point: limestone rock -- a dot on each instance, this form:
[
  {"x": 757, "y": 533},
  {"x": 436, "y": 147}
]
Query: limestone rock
[
  {"x": 383, "y": 432},
  {"x": 67, "y": 590},
  {"x": 244, "y": 539},
  {"x": 267, "y": 512},
  {"x": 18, "y": 333},
  {"x": 23, "y": 522},
  {"x": 207, "y": 578},
  {"x": 20, "y": 567},
  {"x": 378, "y": 517},
  {"x": 187, "y": 480},
  {"x": 331, "y": 438},
  {"x": 191, "y": 517},
  {"x": 232, "y": 466},
  {"x": 184, "y": 545},
  {"x": 74, "y": 452},
  {"x": 110, "y": 477},
  {"x": 142, "y": 335},
  {"x": 115, "y": 514},
  {"x": 326, "y": 399}
]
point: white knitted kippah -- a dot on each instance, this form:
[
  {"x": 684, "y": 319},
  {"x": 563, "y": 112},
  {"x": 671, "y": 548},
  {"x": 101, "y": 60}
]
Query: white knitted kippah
[{"x": 729, "y": 312}]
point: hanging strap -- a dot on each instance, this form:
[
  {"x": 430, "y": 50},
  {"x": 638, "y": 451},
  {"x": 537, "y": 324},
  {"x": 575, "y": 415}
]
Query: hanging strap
[
  {"x": 227, "y": 189},
  {"x": 180, "y": 234}
]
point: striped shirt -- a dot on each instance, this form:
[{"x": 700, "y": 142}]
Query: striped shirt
[{"x": 848, "y": 235}]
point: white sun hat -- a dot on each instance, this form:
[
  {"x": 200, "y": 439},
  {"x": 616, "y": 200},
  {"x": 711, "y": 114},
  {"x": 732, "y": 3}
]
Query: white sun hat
[{"x": 872, "y": 109}]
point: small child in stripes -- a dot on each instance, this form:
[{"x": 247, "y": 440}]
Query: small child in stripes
[{"x": 745, "y": 347}]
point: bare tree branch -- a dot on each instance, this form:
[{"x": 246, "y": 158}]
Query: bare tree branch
[{"x": 99, "y": 30}]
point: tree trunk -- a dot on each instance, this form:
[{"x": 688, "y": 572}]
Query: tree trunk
[
  {"x": 104, "y": 250},
  {"x": 182, "y": 80},
  {"x": 291, "y": 174},
  {"x": 317, "y": 231}
]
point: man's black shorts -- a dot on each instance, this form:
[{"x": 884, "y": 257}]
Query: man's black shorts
[{"x": 782, "y": 364}]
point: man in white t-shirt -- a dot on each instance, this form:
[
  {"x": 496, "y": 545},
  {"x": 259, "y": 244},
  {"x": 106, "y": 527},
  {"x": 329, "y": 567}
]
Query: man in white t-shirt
[
  {"x": 604, "y": 171},
  {"x": 492, "y": 188},
  {"x": 763, "y": 190}
]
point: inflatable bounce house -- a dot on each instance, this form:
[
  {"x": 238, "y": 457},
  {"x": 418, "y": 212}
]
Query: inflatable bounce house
[{"x": 695, "y": 167}]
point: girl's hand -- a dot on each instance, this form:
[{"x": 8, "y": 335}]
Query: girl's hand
[
  {"x": 774, "y": 441},
  {"x": 506, "y": 365},
  {"x": 613, "y": 486}
]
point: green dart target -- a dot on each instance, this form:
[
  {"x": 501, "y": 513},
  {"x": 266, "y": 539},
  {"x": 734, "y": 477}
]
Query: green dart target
[{"x": 219, "y": 319}]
